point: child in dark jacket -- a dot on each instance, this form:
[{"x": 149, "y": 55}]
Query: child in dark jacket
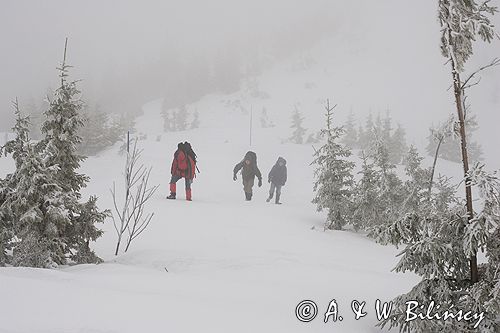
[
  {"x": 277, "y": 178},
  {"x": 249, "y": 171}
]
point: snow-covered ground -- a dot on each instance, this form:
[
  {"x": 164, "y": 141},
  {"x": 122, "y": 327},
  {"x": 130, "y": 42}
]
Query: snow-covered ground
[{"x": 217, "y": 264}]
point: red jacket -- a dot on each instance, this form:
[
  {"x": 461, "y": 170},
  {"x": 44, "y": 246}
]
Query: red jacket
[{"x": 183, "y": 165}]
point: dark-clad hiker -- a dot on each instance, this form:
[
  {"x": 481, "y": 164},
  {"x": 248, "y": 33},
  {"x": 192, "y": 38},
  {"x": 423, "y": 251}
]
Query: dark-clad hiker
[
  {"x": 277, "y": 178},
  {"x": 249, "y": 171}
]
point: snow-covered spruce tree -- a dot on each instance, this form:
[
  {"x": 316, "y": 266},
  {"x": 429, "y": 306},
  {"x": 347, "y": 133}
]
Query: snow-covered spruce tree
[
  {"x": 366, "y": 211},
  {"x": 397, "y": 144},
  {"x": 390, "y": 189},
  {"x": 6, "y": 230},
  {"x": 386, "y": 127},
  {"x": 32, "y": 207},
  {"x": 361, "y": 137},
  {"x": 195, "y": 123},
  {"x": 35, "y": 113},
  {"x": 265, "y": 122},
  {"x": 417, "y": 184},
  {"x": 366, "y": 135},
  {"x": 263, "y": 118},
  {"x": 98, "y": 132},
  {"x": 298, "y": 131},
  {"x": 445, "y": 237},
  {"x": 391, "y": 198},
  {"x": 333, "y": 175},
  {"x": 350, "y": 138},
  {"x": 59, "y": 150},
  {"x": 166, "y": 113},
  {"x": 126, "y": 126},
  {"x": 450, "y": 148},
  {"x": 439, "y": 240},
  {"x": 180, "y": 118},
  {"x": 19, "y": 148},
  {"x": 313, "y": 138}
]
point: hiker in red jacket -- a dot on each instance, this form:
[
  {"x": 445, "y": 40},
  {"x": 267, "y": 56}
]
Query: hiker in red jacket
[{"x": 183, "y": 166}]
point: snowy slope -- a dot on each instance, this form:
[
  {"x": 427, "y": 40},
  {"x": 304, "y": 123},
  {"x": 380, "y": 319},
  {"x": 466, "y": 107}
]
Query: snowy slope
[
  {"x": 220, "y": 264},
  {"x": 217, "y": 264}
]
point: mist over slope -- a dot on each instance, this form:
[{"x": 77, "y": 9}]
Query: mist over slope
[{"x": 378, "y": 56}]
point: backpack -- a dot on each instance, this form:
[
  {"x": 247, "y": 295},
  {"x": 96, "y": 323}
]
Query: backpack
[
  {"x": 190, "y": 154},
  {"x": 189, "y": 151}
]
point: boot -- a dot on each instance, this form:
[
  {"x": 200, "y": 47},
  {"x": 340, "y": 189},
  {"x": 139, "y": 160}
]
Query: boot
[
  {"x": 188, "y": 194},
  {"x": 270, "y": 197},
  {"x": 172, "y": 191},
  {"x": 248, "y": 196},
  {"x": 277, "y": 200}
]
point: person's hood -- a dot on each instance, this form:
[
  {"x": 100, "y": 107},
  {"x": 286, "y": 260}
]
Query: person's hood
[{"x": 281, "y": 159}]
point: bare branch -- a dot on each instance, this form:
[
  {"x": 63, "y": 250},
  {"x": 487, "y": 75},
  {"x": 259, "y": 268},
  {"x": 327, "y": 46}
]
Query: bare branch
[
  {"x": 493, "y": 63},
  {"x": 137, "y": 193}
]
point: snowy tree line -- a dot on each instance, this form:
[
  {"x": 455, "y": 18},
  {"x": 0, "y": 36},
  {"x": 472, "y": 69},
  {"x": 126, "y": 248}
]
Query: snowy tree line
[
  {"x": 450, "y": 144},
  {"x": 43, "y": 221},
  {"x": 426, "y": 217},
  {"x": 100, "y": 131},
  {"x": 357, "y": 136},
  {"x": 179, "y": 119},
  {"x": 439, "y": 230},
  {"x": 298, "y": 130},
  {"x": 379, "y": 130}
]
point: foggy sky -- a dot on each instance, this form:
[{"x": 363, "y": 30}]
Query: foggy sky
[
  {"x": 111, "y": 41},
  {"x": 110, "y": 37}
]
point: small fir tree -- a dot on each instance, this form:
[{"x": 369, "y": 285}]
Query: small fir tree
[
  {"x": 298, "y": 131},
  {"x": 59, "y": 150},
  {"x": 196, "y": 120},
  {"x": 333, "y": 175},
  {"x": 350, "y": 138}
]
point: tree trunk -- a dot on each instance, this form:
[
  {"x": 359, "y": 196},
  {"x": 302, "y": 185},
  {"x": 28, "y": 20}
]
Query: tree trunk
[
  {"x": 118, "y": 246},
  {"x": 433, "y": 170},
  {"x": 457, "y": 86}
]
